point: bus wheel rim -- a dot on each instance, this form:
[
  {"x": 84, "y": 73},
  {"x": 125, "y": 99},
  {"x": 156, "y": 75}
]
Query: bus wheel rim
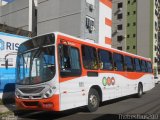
[{"x": 93, "y": 100}]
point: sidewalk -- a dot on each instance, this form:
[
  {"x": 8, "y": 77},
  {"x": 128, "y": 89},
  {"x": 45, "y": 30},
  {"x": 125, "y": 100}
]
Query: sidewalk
[{"x": 7, "y": 108}]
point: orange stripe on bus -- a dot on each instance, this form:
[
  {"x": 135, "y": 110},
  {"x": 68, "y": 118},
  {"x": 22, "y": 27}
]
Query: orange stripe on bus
[
  {"x": 107, "y": 3},
  {"x": 108, "y": 22},
  {"x": 128, "y": 75},
  {"x": 108, "y": 40}
]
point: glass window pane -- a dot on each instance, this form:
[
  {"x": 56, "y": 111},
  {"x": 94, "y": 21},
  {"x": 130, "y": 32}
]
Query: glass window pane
[
  {"x": 105, "y": 58},
  {"x": 118, "y": 62},
  {"x": 89, "y": 56},
  {"x": 137, "y": 65},
  {"x": 128, "y": 63}
]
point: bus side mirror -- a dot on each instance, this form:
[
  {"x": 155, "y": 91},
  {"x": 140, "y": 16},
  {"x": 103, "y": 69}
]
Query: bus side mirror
[{"x": 6, "y": 63}]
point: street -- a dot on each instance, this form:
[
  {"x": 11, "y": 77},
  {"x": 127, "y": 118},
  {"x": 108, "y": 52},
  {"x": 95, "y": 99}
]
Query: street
[{"x": 130, "y": 107}]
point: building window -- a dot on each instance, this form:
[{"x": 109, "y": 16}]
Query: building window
[
  {"x": 156, "y": 26},
  {"x": 128, "y": 1},
  {"x": 119, "y": 27},
  {"x": 156, "y": 12},
  {"x": 120, "y": 5},
  {"x": 35, "y": 12},
  {"x": 119, "y": 38},
  {"x": 119, "y": 48},
  {"x": 155, "y": 60},
  {"x": 128, "y": 47},
  {"x": 155, "y": 36},
  {"x": 134, "y": 12},
  {"x": 134, "y": 35},
  {"x": 134, "y": 1},
  {"x": 128, "y": 24},
  {"x": 128, "y": 13},
  {"x": 90, "y": 24},
  {"x": 155, "y": 48},
  {"x": 120, "y": 16},
  {"x": 134, "y": 47},
  {"x": 128, "y": 36},
  {"x": 134, "y": 24}
]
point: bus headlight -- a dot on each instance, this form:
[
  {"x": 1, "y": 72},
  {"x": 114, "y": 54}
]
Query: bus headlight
[
  {"x": 49, "y": 92},
  {"x": 17, "y": 93}
]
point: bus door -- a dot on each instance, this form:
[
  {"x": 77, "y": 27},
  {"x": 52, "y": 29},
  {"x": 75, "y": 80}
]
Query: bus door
[{"x": 70, "y": 76}]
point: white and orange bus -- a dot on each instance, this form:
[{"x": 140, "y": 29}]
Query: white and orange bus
[{"x": 56, "y": 72}]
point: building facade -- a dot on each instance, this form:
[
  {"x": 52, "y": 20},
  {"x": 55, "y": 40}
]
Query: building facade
[
  {"x": 135, "y": 28},
  {"x": 87, "y": 19}
]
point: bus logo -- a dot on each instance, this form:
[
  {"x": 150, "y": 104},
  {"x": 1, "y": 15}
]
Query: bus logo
[
  {"x": 108, "y": 81},
  {"x": 1, "y": 44}
]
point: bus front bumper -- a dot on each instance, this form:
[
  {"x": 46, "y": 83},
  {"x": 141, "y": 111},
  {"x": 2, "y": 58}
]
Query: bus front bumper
[{"x": 48, "y": 104}]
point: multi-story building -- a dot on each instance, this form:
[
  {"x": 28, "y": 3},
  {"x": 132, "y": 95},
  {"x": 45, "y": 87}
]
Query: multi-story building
[
  {"x": 135, "y": 27},
  {"x": 19, "y": 14},
  {"x": 87, "y": 19},
  {"x": 159, "y": 38}
]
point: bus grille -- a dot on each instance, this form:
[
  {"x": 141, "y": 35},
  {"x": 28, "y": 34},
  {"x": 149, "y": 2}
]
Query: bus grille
[
  {"x": 31, "y": 90},
  {"x": 31, "y": 103}
]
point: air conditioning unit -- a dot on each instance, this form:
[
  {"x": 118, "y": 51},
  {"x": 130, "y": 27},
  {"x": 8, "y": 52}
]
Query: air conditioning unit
[
  {"x": 120, "y": 9},
  {"x": 91, "y": 7},
  {"x": 92, "y": 28}
]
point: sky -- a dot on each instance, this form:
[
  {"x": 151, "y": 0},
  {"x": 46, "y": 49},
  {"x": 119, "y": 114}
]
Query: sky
[{"x": 7, "y": 0}]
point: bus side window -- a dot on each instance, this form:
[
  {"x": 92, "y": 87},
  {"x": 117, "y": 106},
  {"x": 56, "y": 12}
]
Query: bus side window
[
  {"x": 89, "y": 56},
  {"x": 65, "y": 59},
  {"x": 105, "y": 59},
  {"x": 149, "y": 67},
  {"x": 137, "y": 65},
  {"x": 143, "y": 66},
  {"x": 146, "y": 66},
  {"x": 129, "y": 63},
  {"x": 69, "y": 61},
  {"x": 118, "y": 62}
]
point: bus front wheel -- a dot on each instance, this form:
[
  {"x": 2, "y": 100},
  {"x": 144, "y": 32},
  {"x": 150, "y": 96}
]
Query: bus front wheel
[{"x": 93, "y": 100}]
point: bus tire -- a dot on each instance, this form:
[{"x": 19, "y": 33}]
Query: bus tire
[
  {"x": 140, "y": 90},
  {"x": 93, "y": 100}
]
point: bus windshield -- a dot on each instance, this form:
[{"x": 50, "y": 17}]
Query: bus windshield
[{"x": 35, "y": 65}]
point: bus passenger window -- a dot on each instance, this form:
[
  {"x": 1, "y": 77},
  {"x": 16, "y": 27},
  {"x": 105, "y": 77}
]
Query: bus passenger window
[
  {"x": 143, "y": 66},
  {"x": 128, "y": 63},
  {"x": 89, "y": 57},
  {"x": 118, "y": 62},
  {"x": 69, "y": 61},
  {"x": 149, "y": 67},
  {"x": 137, "y": 65},
  {"x": 105, "y": 59}
]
